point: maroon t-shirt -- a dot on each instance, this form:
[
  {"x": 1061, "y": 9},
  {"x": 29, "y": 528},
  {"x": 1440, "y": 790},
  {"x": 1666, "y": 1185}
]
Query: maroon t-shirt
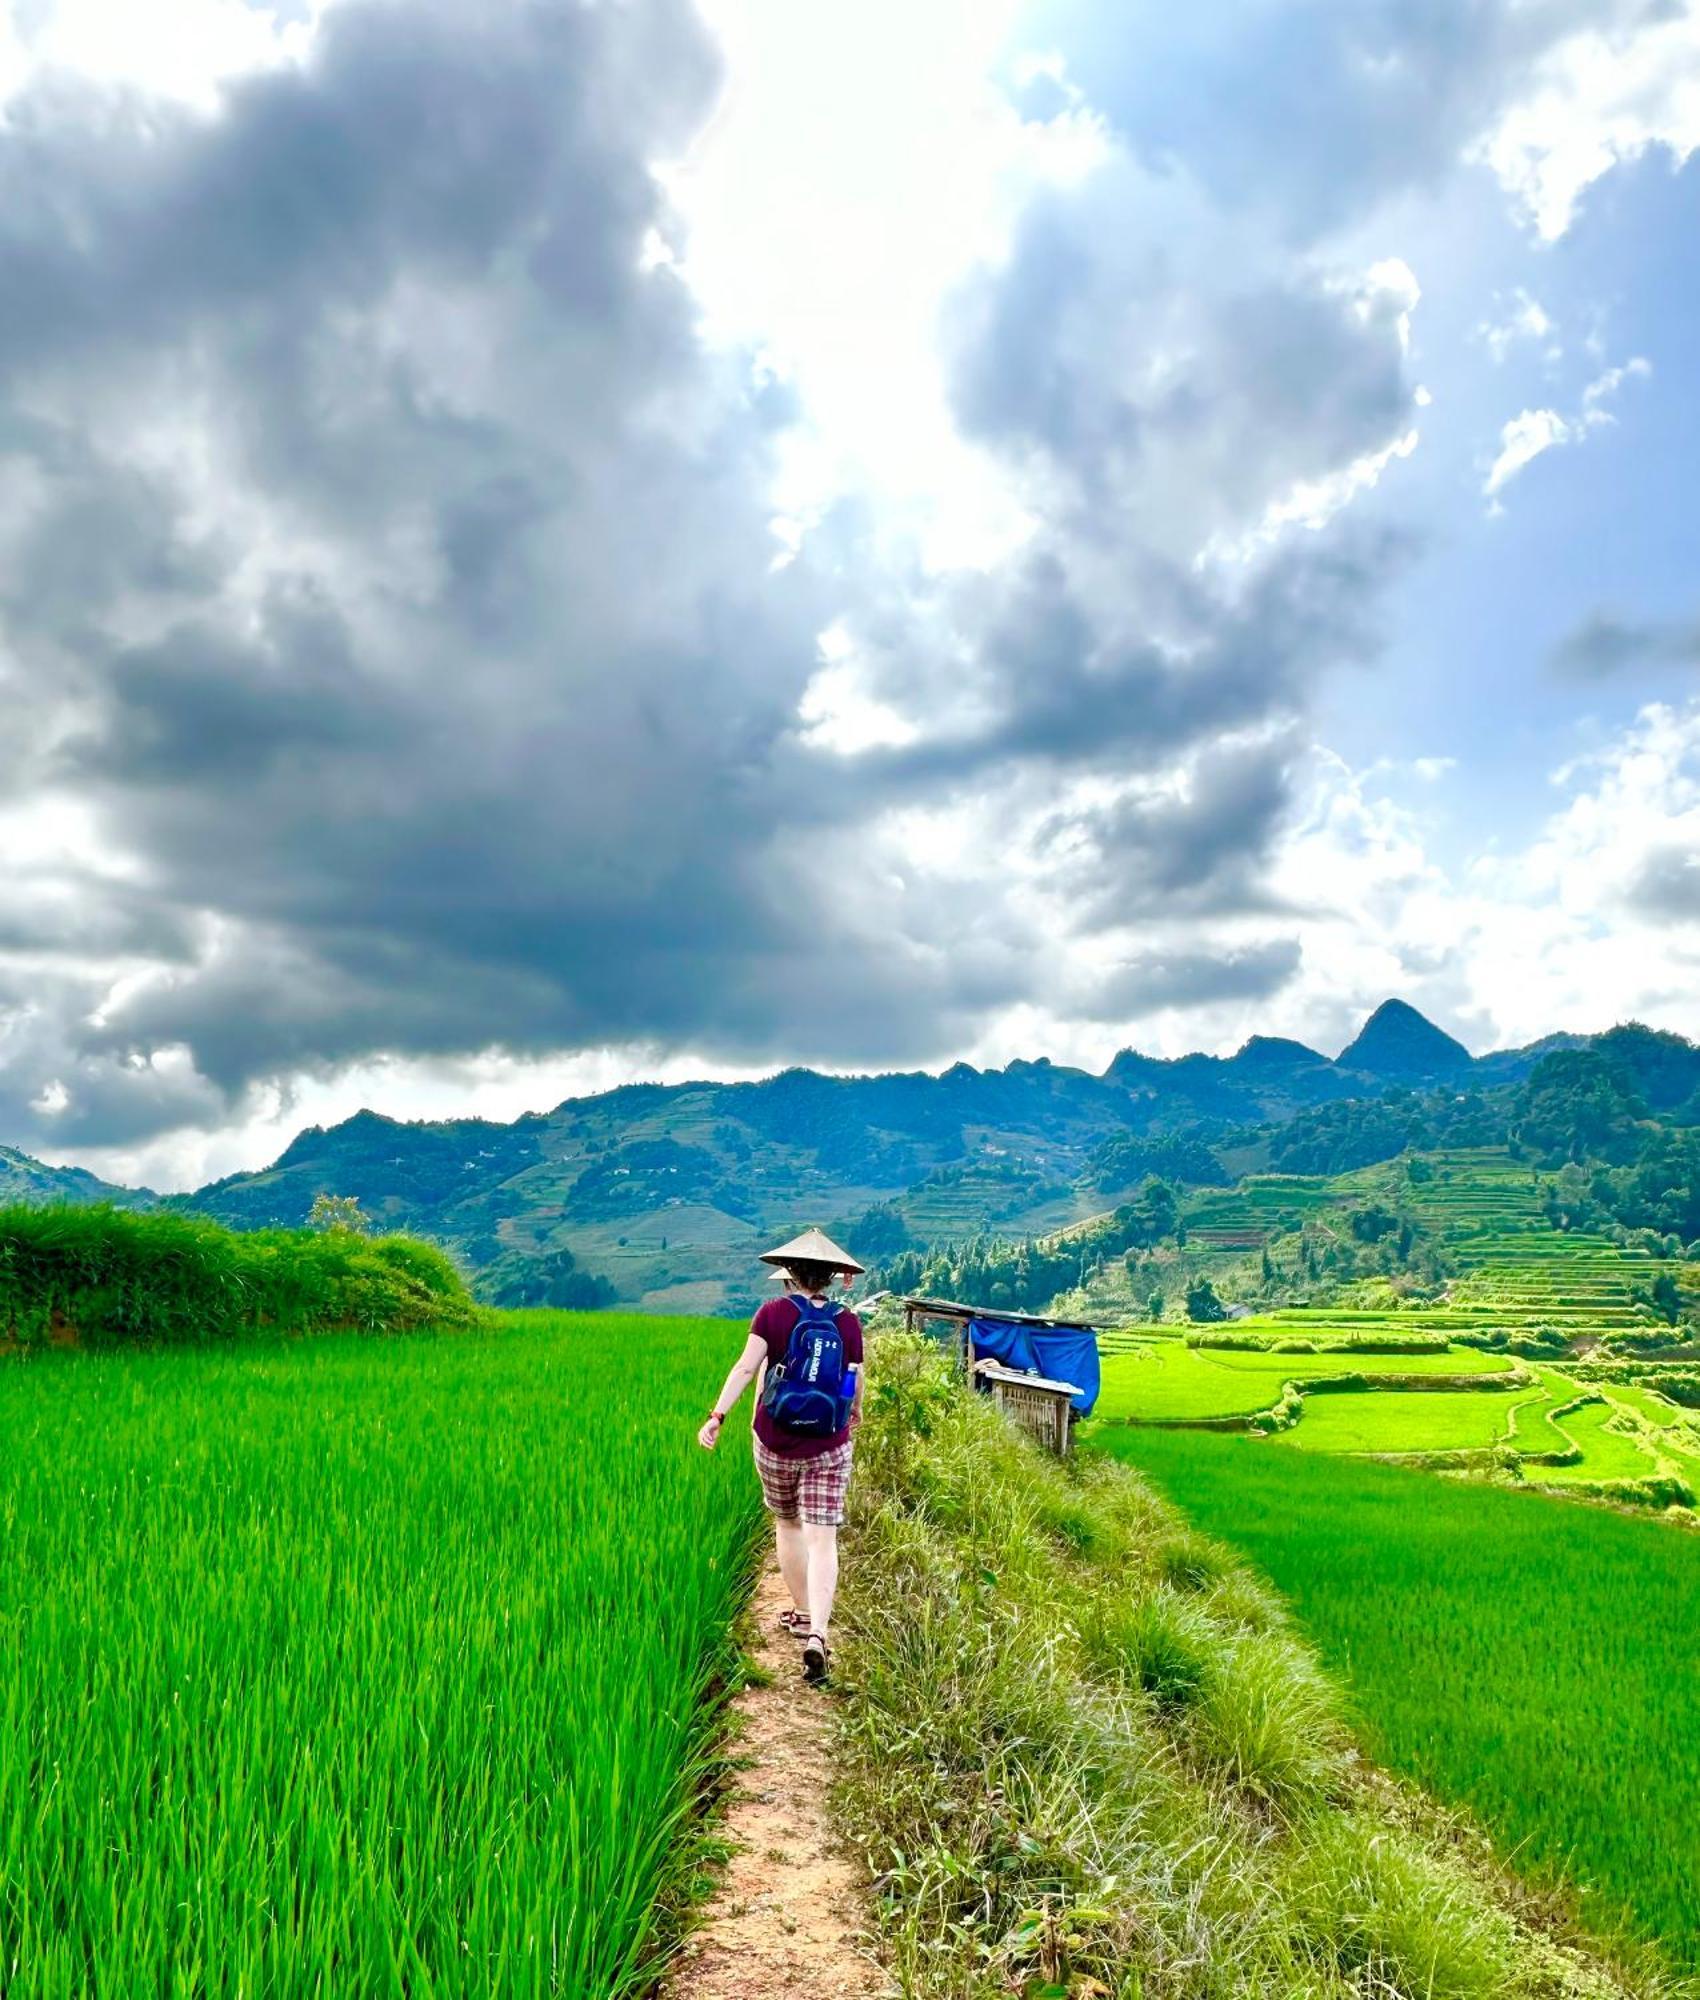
[{"x": 773, "y": 1323}]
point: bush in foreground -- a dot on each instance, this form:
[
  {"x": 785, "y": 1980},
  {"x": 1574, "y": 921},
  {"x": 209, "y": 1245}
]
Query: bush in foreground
[
  {"x": 104, "y": 1277},
  {"x": 1087, "y": 1753}
]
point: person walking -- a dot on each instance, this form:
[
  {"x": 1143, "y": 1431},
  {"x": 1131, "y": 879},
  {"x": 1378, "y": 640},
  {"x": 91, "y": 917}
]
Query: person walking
[{"x": 808, "y": 1353}]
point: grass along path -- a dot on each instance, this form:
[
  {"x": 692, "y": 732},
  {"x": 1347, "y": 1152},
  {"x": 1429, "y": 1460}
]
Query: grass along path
[
  {"x": 1530, "y": 1659},
  {"x": 1086, "y": 1752}
]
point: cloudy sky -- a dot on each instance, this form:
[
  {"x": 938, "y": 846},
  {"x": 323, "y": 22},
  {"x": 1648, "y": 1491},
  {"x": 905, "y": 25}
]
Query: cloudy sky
[{"x": 549, "y": 541}]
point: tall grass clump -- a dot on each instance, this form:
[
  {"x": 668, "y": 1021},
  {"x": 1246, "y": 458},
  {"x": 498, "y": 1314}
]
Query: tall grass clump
[
  {"x": 1087, "y": 1753},
  {"x": 355, "y": 1668},
  {"x": 104, "y": 1277},
  {"x": 1531, "y": 1660}
]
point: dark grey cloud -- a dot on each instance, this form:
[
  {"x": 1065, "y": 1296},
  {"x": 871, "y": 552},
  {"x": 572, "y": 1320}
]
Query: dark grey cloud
[
  {"x": 1130, "y": 329},
  {"x": 1312, "y": 111},
  {"x": 392, "y": 576},
  {"x": 1193, "y": 849},
  {"x": 1186, "y": 978},
  {"x": 1603, "y": 645},
  {"x": 387, "y": 571},
  {"x": 1667, "y": 885}
]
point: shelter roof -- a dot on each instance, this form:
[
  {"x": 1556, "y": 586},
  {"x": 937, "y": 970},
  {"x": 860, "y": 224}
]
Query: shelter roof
[{"x": 953, "y": 1309}]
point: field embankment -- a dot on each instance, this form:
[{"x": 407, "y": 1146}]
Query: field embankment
[
  {"x": 1531, "y": 1660},
  {"x": 101, "y": 1277},
  {"x": 1087, "y": 1752},
  {"x": 347, "y": 1667}
]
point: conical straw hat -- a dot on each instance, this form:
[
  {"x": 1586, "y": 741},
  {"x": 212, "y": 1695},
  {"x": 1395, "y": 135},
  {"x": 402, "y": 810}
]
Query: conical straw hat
[{"x": 814, "y": 1246}]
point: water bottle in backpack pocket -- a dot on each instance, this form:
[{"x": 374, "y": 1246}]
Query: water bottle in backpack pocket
[{"x": 808, "y": 1391}]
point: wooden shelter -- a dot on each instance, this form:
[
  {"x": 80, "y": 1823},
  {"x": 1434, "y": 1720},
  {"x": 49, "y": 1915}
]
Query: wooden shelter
[
  {"x": 1038, "y": 1403},
  {"x": 916, "y": 1312},
  {"x": 1035, "y": 1402}
]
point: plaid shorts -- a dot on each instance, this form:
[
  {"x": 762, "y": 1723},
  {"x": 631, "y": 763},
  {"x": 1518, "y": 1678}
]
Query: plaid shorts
[{"x": 810, "y": 1488}]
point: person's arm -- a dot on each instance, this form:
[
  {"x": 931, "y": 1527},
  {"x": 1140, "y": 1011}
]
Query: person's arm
[{"x": 742, "y": 1375}]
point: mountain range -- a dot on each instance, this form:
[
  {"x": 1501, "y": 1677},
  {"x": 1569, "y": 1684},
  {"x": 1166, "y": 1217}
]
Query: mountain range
[{"x": 663, "y": 1194}]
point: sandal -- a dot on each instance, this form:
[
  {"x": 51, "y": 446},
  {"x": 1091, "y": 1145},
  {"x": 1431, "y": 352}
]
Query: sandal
[
  {"x": 815, "y": 1659},
  {"x": 794, "y": 1622}
]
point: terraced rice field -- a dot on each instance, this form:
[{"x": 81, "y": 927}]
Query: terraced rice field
[
  {"x": 1262, "y": 1203},
  {"x": 1401, "y": 1422},
  {"x": 1529, "y": 1659},
  {"x": 1519, "y": 1286},
  {"x": 1589, "y": 1439},
  {"x": 1610, "y": 1449},
  {"x": 359, "y": 1667},
  {"x": 1168, "y": 1382}
]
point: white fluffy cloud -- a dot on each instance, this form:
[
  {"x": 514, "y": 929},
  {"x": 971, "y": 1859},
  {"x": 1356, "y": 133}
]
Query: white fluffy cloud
[
  {"x": 1519, "y": 319},
  {"x": 1594, "y": 920},
  {"x": 1596, "y": 99},
  {"x": 1525, "y": 436}
]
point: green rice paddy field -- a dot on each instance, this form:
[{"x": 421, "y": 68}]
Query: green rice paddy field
[
  {"x": 1168, "y": 1382},
  {"x": 1614, "y": 1437},
  {"x": 360, "y": 1667},
  {"x": 1528, "y": 1658}
]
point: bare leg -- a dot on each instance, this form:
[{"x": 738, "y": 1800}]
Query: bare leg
[
  {"x": 823, "y": 1576},
  {"x": 793, "y": 1559}
]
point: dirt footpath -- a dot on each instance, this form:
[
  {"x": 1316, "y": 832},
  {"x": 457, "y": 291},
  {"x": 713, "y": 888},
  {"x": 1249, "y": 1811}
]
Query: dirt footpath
[{"x": 789, "y": 1917}]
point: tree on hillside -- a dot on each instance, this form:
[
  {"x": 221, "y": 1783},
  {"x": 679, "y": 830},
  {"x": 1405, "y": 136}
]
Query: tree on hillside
[
  {"x": 1579, "y": 1105},
  {"x": 338, "y": 1211},
  {"x": 1152, "y": 1214},
  {"x": 876, "y": 1234},
  {"x": 1372, "y": 1222},
  {"x": 1202, "y": 1304},
  {"x": 553, "y": 1280},
  {"x": 1127, "y": 1158},
  {"x": 1662, "y": 1068},
  {"x": 1664, "y": 1297}
]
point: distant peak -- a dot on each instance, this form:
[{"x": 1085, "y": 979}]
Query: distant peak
[
  {"x": 1399, "y": 1042},
  {"x": 1274, "y": 1052},
  {"x": 1131, "y": 1062}
]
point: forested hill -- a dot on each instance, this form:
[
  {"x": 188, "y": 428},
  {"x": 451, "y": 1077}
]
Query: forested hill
[
  {"x": 663, "y": 1194},
  {"x": 33, "y": 1184}
]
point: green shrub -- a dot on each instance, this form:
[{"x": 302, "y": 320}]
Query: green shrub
[
  {"x": 1270, "y": 1720},
  {"x": 1398, "y": 1919},
  {"x": 1162, "y": 1643},
  {"x": 102, "y": 1277},
  {"x": 1189, "y": 1562}
]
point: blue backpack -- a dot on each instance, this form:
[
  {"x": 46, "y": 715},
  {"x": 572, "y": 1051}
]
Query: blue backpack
[{"x": 810, "y": 1391}]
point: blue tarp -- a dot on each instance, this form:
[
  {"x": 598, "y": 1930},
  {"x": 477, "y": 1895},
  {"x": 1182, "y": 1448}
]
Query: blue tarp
[{"x": 1064, "y": 1353}]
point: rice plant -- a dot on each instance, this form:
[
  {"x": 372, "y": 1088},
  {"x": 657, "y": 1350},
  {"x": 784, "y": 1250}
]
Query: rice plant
[
  {"x": 342, "y": 1667},
  {"x": 1527, "y": 1658}
]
